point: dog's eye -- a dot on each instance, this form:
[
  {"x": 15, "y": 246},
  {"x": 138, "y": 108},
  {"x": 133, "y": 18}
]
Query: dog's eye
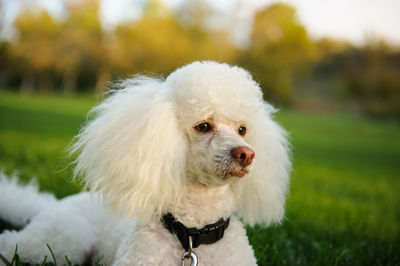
[
  {"x": 203, "y": 127},
  {"x": 242, "y": 130}
]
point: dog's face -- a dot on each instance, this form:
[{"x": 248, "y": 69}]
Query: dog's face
[
  {"x": 215, "y": 111},
  {"x": 218, "y": 152}
]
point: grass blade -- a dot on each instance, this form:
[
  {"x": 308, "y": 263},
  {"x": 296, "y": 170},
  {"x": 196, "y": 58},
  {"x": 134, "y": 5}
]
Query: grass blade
[
  {"x": 44, "y": 261},
  {"x": 52, "y": 254},
  {"x": 6, "y": 262}
]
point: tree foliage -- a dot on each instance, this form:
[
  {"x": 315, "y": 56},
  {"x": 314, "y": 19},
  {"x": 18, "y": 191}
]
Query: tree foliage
[
  {"x": 280, "y": 49},
  {"x": 75, "y": 53},
  {"x": 34, "y": 50}
]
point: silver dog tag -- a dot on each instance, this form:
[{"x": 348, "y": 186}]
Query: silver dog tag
[{"x": 190, "y": 255}]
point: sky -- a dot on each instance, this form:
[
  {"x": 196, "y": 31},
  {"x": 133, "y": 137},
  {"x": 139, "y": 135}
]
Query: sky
[{"x": 353, "y": 20}]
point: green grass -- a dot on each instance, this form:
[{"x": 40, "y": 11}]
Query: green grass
[
  {"x": 343, "y": 205},
  {"x": 34, "y": 133}
]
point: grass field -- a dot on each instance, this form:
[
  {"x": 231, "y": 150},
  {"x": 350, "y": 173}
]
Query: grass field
[{"x": 343, "y": 207}]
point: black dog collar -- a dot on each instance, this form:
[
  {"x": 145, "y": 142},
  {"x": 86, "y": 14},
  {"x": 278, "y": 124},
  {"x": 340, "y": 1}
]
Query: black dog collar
[{"x": 209, "y": 234}]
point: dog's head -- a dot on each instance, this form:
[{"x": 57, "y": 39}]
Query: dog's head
[{"x": 206, "y": 124}]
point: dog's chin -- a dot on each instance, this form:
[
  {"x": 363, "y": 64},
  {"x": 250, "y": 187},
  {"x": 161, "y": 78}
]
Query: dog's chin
[
  {"x": 222, "y": 176},
  {"x": 217, "y": 180}
]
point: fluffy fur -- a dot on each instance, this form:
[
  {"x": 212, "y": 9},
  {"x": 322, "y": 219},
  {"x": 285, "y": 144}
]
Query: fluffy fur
[{"x": 142, "y": 156}]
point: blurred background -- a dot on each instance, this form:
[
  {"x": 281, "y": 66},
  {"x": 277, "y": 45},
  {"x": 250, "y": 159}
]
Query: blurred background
[
  {"x": 332, "y": 67},
  {"x": 340, "y": 55}
]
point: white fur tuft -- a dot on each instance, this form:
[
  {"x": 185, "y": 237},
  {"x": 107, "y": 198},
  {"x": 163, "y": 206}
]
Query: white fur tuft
[
  {"x": 19, "y": 203},
  {"x": 133, "y": 152}
]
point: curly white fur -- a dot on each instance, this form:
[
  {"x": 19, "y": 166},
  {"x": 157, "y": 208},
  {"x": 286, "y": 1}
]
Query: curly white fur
[{"x": 143, "y": 157}]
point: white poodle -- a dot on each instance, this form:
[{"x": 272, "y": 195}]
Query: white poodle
[{"x": 181, "y": 161}]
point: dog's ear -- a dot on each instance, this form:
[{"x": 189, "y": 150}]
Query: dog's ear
[
  {"x": 133, "y": 151},
  {"x": 261, "y": 194}
]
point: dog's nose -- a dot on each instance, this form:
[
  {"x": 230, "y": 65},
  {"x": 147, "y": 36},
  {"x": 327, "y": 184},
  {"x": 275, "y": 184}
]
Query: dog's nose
[{"x": 243, "y": 155}]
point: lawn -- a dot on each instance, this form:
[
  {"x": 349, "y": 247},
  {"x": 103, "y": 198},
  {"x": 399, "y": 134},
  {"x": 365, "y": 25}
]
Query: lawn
[{"x": 343, "y": 204}]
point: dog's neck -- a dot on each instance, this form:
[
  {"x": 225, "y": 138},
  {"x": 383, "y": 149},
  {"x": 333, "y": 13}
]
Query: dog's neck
[{"x": 202, "y": 205}]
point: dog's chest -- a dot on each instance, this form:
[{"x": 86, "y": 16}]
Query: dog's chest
[{"x": 154, "y": 245}]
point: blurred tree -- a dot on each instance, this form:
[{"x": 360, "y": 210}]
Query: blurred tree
[
  {"x": 159, "y": 42},
  {"x": 76, "y": 53},
  {"x": 80, "y": 46},
  {"x": 327, "y": 46},
  {"x": 279, "y": 49},
  {"x": 207, "y": 40},
  {"x": 371, "y": 77},
  {"x": 195, "y": 14},
  {"x": 34, "y": 49},
  {"x": 154, "y": 43},
  {"x": 4, "y": 63}
]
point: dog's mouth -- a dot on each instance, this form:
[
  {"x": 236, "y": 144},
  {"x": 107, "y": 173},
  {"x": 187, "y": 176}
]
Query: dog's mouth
[
  {"x": 230, "y": 169},
  {"x": 237, "y": 173}
]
